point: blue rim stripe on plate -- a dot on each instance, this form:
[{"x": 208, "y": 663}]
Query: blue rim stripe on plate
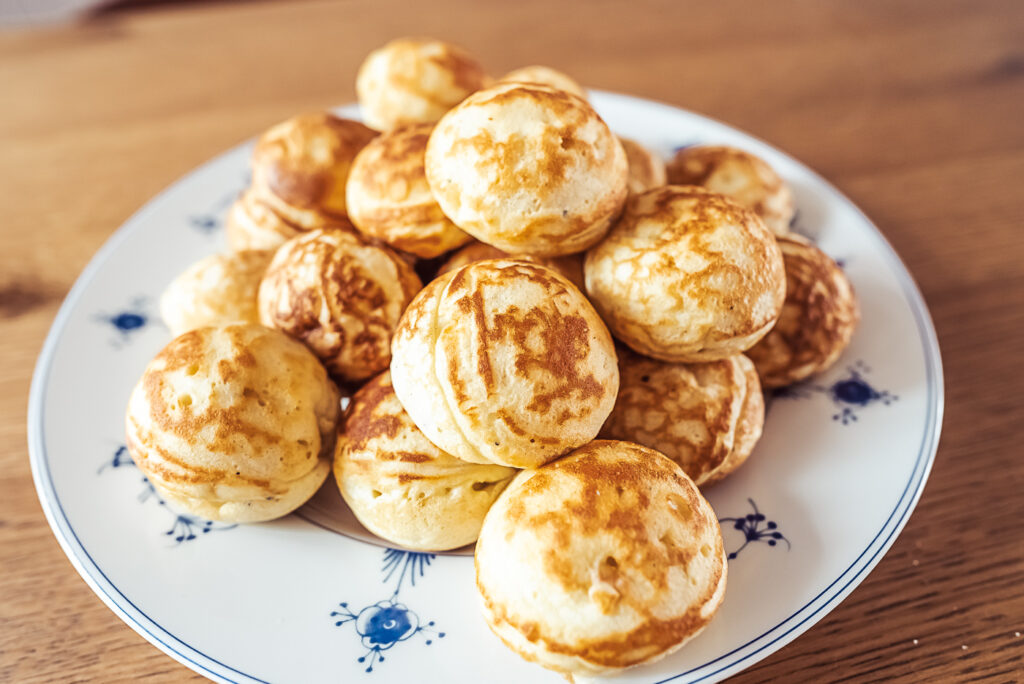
[{"x": 153, "y": 631}]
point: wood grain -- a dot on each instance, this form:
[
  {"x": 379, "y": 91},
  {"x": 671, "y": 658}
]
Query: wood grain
[{"x": 914, "y": 109}]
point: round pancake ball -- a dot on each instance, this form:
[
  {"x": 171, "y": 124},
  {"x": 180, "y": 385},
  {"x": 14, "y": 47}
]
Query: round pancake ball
[
  {"x": 412, "y": 80},
  {"x": 646, "y": 169},
  {"x": 544, "y": 76},
  {"x": 253, "y": 224},
  {"x": 389, "y": 199},
  {"x": 234, "y": 423},
  {"x": 739, "y": 175},
  {"x": 217, "y": 290},
  {"x": 817, "y": 320},
  {"x": 706, "y": 417},
  {"x": 402, "y": 487},
  {"x": 300, "y": 167},
  {"x": 687, "y": 275},
  {"x": 528, "y": 169},
  {"x": 341, "y": 296},
  {"x": 570, "y": 266},
  {"x": 504, "y": 362},
  {"x": 602, "y": 560}
]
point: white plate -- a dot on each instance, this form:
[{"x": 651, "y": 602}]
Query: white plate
[{"x": 831, "y": 484}]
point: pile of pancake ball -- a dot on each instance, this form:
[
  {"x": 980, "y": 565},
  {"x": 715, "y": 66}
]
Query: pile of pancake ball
[{"x": 549, "y": 341}]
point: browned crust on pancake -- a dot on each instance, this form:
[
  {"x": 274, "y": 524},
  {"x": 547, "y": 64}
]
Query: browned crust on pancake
[
  {"x": 817, "y": 322},
  {"x": 564, "y": 339},
  {"x": 714, "y": 167},
  {"x": 646, "y": 169},
  {"x": 304, "y": 162},
  {"x": 318, "y": 291},
  {"x": 389, "y": 199},
  {"x": 234, "y": 417},
  {"x": 570, "y": 266},
  {"x": 706, "y": 417},
  {"x": 615, "y": 500}
]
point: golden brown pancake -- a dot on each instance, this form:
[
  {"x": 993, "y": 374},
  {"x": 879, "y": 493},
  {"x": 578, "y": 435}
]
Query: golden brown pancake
[
  {"x": 528, "y": 169},
  {"x": 300, "y": 167},
  {"x": 403, "y": 488},
  {"x": 570, "y": 266},
  {"x": 646, "y": 169},
  {"x": 340, "y": 295},
  {"x": 706, "y": 417},
  {"x": 687, "y": 275},
  {"x": 817, "y": 320},
  {"x": 602, "y": 560},
  {"x": 412, "y": 80},
  {"x": 389, "y": 199},
  {"x": 544, "y": 76},
  {"x": 234, "y": 423},
  {"x": 740, "y": 175},
  {"x": 504, "y": 362},
  {"x": 217, "y": 290}
]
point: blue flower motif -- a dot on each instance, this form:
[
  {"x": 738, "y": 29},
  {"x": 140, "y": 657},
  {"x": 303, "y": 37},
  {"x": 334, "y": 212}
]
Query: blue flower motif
[
  {"x": 850, "y": 393},
  {"x": 751, "y": 527},
  {"x": 384, "y": 624},
  {"x": 183, "y": 527},
  {"x": 211, "y": 221},
  {"x": 128, "y": 321}
]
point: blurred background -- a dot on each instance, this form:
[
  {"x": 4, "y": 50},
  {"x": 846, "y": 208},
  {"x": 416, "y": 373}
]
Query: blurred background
[{"x": 911, "y": 108}]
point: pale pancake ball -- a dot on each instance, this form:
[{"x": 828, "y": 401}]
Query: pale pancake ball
[
  {"x": 740, "y": 175},
  {"x": 602, "y": 560},
  {"x": 403, "y": 488},
  {"x": 706, "y": 417},
  {"x": 570, "y": 266},
  {"x": 544, "y": 76},
  {"x": 412, "y": 80},
  {"x": 253, "y": 224},
  {"x": 817, "y": 321},
  {"x": 389, "y": 199},
  {"x": 217, "y": 290},
  {"x": 341, "y": 296},
  {"x": 646, "y": 169},
  {"x": 528, "y": 169},
  {"x": 300, "y": 167},
  {"x": 687, "y": 275},
  {"x": 504, "y": 362},
  {"x": 234, "y": 423}
]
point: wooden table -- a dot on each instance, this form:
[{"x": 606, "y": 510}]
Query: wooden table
[{"x": 914, "y": 109}]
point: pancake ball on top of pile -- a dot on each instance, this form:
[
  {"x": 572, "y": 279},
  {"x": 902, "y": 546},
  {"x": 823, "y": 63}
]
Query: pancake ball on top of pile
[
  {"x": 646, "y": 169},
  {"x": 528, "y": 169},
  {"x": 412, "y": 80},
  {"x": 570, "y": 266},
  {"x": 817, "y": 321},
  {"x": 234, "y": 423},
  {"x": 217, "y": 290},
  {"x": 544, "y": 76},
  {"x": 389, "y": 199},
  {"x": 706, "y": 417},
  {"x": 602, "y": 560},
  {"x": 504, "y": 362},
  {"x": 739, "y": 175},
  {"x": 403, "y": 488},
  {"x": 687, "y": 275},
  {"x": 299, "y": 170},
  {"x": 300, "y": 166},
  {"x": 340, "y": 295}
]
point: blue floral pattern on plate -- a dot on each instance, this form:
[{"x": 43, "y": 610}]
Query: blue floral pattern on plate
[
  {"x": 128, "y": 321},
  {"x": 384, "y": 624},
  {"x": 755, "y": 528},
  {"x": 850, "y": 394},
  {"x": 183, "y": 527}
]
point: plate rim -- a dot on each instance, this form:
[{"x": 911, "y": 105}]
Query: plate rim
[{"x": 737, "y": 659}]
